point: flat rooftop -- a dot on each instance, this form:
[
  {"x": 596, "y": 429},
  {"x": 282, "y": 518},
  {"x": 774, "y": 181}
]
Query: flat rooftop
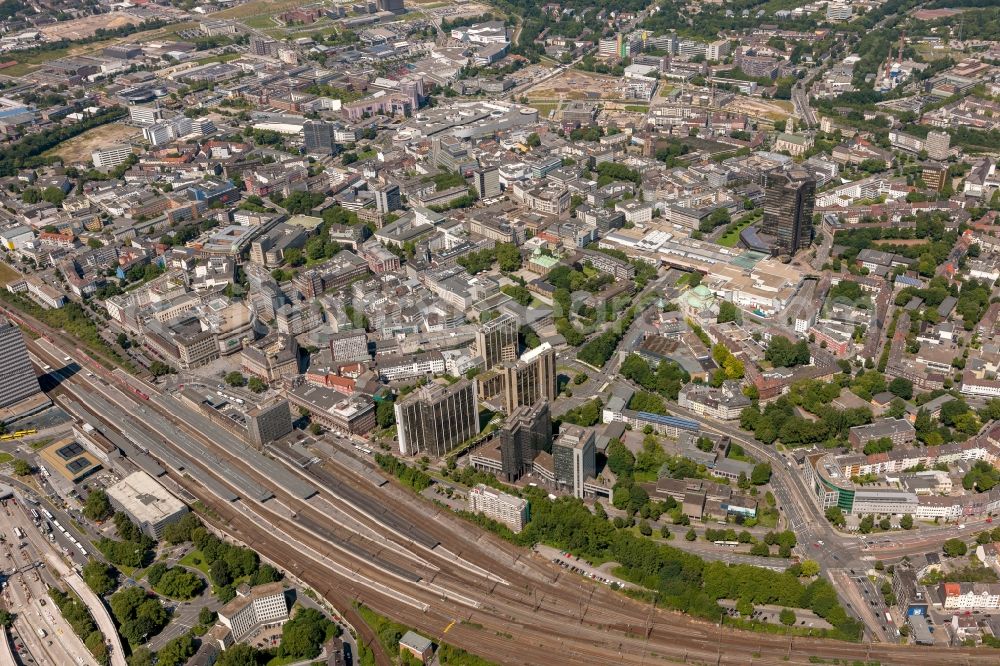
[{"x": 144, "y": 498}]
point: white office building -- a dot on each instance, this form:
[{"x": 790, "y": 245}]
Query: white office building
[{"x": 504, "y": 508}]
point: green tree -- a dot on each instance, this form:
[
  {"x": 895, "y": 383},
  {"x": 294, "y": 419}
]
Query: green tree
[
  {"x": 139, "y": 617},
  {"x": 385, "y": 413},
  {"x": 954, "y": 548},
  {"x": 177, "y": 651},
  {"x": 901, "y": 387},
  {"x": 219, "y": 573},
  {"x": 533, "y": 140},
  {"x": 761, "y": 474},
  {"x": 100, "y": 577},
  {"x": 728, "y": 312},
  {"x": 23, "y": 467},
  {"x": 178, "y": 583},
  {"x": 236, "y": 379},
  {"x": 787, "y": 617},
  {"x": 906, "y": 522},
  {"x": 691, "y": 535},
  {"x": 508, "y": 257},
  {"x": 784, "y": 353},
  {"x": 53, "y": 195},
  {"x": 836, "y": 516},
  {"x": 206, "y": 617},
  {"x": 303, "y": 635},
  {"x": 159, "y": 368},
  {"x": 809, "y": 567},
  {"x": 867, "y": 524},
  {"x": 256, "y": 384},
  {"x": 98, "y": 506},
  {"x": 143, "y": 657}
]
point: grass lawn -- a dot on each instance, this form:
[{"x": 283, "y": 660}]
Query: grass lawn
[
  {"x": 543, "y": 108},
  {"x": 223, "y": 57},
  {"x": 41, "y": 443},
  {"x": 260, "y": 22},
  {"x": 258, "y": 7},
  {"x": 281, "y": 661},
  {"x": 20, "y": 69},
  {"x": 731, "y": 238},
  {"x": 195, "y": 560},
  {"x": 5, "y": 458}
]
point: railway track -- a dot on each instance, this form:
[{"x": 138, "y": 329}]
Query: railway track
[{"x": 541, "y": 616}]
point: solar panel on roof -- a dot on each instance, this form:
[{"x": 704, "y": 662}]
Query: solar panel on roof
[
  {"x": 79, "y": 465},
  {"x": 70, "y": 451}
]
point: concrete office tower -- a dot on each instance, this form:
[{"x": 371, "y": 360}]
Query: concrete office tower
[
  {"x": 574, "y": 458},
  {"x": 530, "y": 379},
  {"x": 487, "y": 182},
  {"x": 526, "y": 432},
  {"x": 17, "y": 378},
  {"x": 317, "y": 136},
  {"x": 788, "y": 211},
  {"x": 937, "y": 145},
  {"x": 390, "y": 5},
  {"x": 387, "y": 199},
  {"x": 350, "y": 345},
  {"x": 267, "y": 423},
  {"x": 496, "y": 340},
  {"x": 436, "y": 418}
]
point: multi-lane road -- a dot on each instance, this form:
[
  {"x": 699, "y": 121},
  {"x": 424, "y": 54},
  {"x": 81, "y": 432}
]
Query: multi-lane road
[{"x": 43, "y": 634}]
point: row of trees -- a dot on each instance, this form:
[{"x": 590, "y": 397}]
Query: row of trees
[
  {"x": 409, "y": 476},
  {"x": 79, "y": 618},
  {"x": 27, "y": 152}
]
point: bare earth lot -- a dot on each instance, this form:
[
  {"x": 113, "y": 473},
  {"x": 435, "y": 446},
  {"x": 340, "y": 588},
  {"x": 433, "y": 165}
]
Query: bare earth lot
[{"x": 79, "y": 148}]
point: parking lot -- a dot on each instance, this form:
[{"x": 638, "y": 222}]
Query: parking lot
[{"x": 574, "y": 564}]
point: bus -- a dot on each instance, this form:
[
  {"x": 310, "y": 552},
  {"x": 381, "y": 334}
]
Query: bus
[
  {"x": 35, "y": 516},
  {"x": 727, "y": 543},
  {"x": 18, "y": 532},
  {"x": 47, "y": 513}
]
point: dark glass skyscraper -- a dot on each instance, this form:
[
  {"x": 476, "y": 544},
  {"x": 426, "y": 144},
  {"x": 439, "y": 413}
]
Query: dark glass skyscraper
[{"x": 788, "y": 211}]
